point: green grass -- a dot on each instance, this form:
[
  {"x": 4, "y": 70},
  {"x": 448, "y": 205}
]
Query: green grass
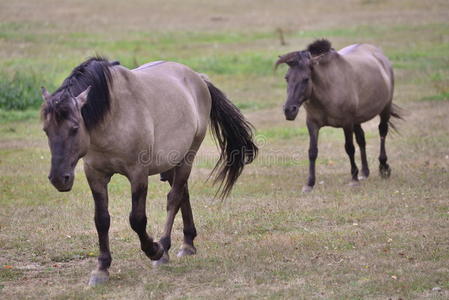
[
  {"x": 439, "y": 97},
  {"x": 20, "y": 91},
  {"x": 7, "y": 116}
]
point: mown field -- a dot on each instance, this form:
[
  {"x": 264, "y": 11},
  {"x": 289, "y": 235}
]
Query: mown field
[{"x": 384, "y": 239}]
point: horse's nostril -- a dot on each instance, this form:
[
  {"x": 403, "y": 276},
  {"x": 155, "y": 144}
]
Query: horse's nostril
[
  {"x": 291, "y": 109},
  {"x": 49, "y": 177},
  {"x": 66, "y": 178}
]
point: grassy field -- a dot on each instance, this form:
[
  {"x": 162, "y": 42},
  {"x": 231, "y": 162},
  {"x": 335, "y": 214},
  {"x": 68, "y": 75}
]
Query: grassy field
[{"x": 384, "y": 239}]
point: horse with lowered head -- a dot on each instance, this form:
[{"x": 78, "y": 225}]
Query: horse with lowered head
[
  {"x": 341, "y": 89},
  {"x": 141, "y": 122}
]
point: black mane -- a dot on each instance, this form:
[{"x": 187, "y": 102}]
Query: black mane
[
  {"x": 94, "y": 72},
  {"x": 319, "y": 47}
]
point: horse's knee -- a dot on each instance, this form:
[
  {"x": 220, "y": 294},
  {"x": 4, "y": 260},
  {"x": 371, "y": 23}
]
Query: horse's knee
[
  {"x": 138, "y": 222},
  {"x": 102, "y": 221},
  {"x": 313, "y": 153},
  {"x": 350, "y": 149}
]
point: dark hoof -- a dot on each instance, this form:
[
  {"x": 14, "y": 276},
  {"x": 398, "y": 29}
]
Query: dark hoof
[
  {"x": 162, "y": 261},
  {"x": 159, "y": 252},
  {"x": 364, "y": 175},
  {"x": 98, "y": 277},
  {"x": 186, "y": 250},
  {"x": 384, "y": 171}
]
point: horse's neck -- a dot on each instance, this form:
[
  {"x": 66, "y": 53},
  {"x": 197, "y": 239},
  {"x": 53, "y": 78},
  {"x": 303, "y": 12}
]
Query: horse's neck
[
  {"x": 329, "y": 81},
  {"x": 109, "y": 133},
  {"x": 322, "y": 86}
]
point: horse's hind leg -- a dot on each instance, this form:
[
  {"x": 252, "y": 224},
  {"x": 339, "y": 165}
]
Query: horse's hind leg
[
  {"x": 350, "y": 150},
  {"x": 178, "y": 193},
  {"x": 189, "y": 227},
  {"x": 360, "y": 138},
  {"x": 98, "y": 185},
  {"x": 384, "y": 168}
]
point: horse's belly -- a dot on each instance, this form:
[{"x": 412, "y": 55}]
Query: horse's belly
[
  {"x": 371, "y": 108},
  {"x": 164, "y": 160}
]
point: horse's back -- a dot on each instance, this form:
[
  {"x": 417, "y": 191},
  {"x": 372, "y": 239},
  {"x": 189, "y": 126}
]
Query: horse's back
[
  {"x": 184, "y": 88},
  {"x": 364, "y": 57},
  {"x": 165, "y": 76}
]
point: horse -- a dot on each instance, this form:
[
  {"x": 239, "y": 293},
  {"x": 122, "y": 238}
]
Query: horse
[
  {"x": 341, "y": 89},
  {"x": 137, "y": 123}
]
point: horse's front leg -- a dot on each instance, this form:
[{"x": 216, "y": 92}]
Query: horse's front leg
[
  {"x": 313, "y": 154},
  {"x": 98, "y": 184},
  {"x": 138, "y": 218}
]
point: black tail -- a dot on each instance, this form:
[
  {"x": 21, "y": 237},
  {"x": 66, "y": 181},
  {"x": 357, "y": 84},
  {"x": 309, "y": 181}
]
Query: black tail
[
  {"x": 235, "y": 139},
  {"x": 396, "y": 112}
]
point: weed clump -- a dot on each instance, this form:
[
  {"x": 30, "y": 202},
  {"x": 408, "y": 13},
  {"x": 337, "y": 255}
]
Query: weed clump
[{"x": 19, "y": 91}]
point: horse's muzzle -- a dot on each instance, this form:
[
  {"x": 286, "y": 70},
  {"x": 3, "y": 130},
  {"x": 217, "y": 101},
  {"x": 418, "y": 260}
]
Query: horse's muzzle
[
  {"x": 62, "y": 183},
  {"x": 291, "y": 112}
]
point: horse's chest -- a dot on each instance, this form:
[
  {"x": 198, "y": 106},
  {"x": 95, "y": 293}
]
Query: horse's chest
[
  {"x": 111, "y": 163},
  {"x": 324, "y": 116}
]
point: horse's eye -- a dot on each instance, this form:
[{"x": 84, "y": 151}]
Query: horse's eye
[{"x": 74, "y": 130}]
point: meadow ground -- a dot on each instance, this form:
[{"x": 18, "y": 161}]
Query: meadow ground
[{"x": 384, "y": 239}]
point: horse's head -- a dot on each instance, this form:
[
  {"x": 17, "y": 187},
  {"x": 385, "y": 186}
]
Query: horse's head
[
  {"x": 299, "y": 75},
  {"x": 67, "y": 134},
  {"x": 299, "y": 85}
]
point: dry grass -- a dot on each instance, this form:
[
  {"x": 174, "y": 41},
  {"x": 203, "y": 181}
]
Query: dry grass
[{"x": 384, "y": 239}]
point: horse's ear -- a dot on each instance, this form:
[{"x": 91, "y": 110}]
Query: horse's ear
[
  {"x": 289, "y": 59},
  {"x": 45, "y": 94},
  {"x": 82, "y": 98}
]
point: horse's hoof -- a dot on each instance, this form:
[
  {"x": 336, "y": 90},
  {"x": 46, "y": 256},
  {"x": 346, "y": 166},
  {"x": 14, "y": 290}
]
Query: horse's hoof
[
  {"x": 354, "y": 183},
  {"x": 161, "y": 261},
  {"x": 159, "y": 252},
  {"x": 384, "y": 171},
  {"x": 365, "y": 174},
  {"x": 98, "y": 277},
  {"x": 307, "y": 189},
  {"x": 186, "y": 250}
]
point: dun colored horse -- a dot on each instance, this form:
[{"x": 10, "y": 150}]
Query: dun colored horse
[
  {"x": 141, "y": 122},
  {"x": 341, "y": 89}
]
